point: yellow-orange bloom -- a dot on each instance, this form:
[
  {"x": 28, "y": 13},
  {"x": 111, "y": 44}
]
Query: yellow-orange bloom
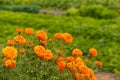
[
  {"x": 98, "y": 63},
  {"x": 19, "y": 39},
  {"x": 61, "y": 65},
  {"x": 59, "y": 59},
  {"x": 93, "y": 77},
  {"x": 10, "y": 42},
  {"x": 67, "y": 38},
  {"x": 79, "y": 60},
  {"x": 9, "y": 52},
  {"x": 41, "y": 34},
  {"x": 84, "y": 69},
  {"x": 39, "y": 51},
  {"x": 10, "y": 63},
  {"x": 58, "y": 35},
  {"x": 76, "y": 52},
  {"x": 70, "y": 65},
  {"x": 19, "y": 30},
  {"x": 91, "y": 72},
  {"x": 93, "y": 52},
  {"x": 79, "y": 76},
  {"x": 29, "y": 31},
  {"x": 48, "y": 55},
  {"x": 69, "y": 59}
]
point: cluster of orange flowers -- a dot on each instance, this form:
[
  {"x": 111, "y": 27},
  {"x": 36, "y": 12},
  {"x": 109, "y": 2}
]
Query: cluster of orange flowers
[
  {"x": 42, "y": 53},
  {"x": 10, "y": 53},
  {"x": 74, "y": 64},
  {"x": 65, "y": 37}
]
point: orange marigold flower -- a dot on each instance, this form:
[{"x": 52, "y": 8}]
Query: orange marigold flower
[
  {"x": 19, "y": 39},
  {"x": 10, "y": 63},
  {"x": 29, "y": 31},
  {"x": 61, "y": 65},
  {"x": 22, "y": 51},
  {"x": 98, "y": 63},
  {"x": 70, "y": 64},
  {"x": 93, "y": 52},
  {"x": 19, "y": 30},
  {"x": 10, "y": 42},
  {"x": 75, "y": 68},
  {"x": 76, "y": 52},
  {"x": 9, "y": 52},
  {"x": 93, "y": 77},
  {"x": 67, "y": 38},
  {"x": 91, "y": 72},
  {"x": 69, "y": 59},
  {"x": 58, "y": 35},
  {"x": 79, "y": 60},
  {"x": 39, "y": 51},
  {"x": 79, "y": 76},
  {"x": 84, "y": 69},
  {"x": 59, "y": 59},
  {"x": 41, "y": 35},
  {"x": 48, "y": 55}
]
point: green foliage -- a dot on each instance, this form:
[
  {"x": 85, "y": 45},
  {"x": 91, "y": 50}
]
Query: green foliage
[
  {"x": 72, "y": 12},
  {"x": 63, "y": 4},
  {"x": 22, "y": 7},
  {"x": 97, "y": 11}
]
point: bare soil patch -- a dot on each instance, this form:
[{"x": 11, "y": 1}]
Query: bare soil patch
[{"x": 106, "y": 76}]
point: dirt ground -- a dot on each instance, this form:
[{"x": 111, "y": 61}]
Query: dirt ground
[{"x": 106, "y": 76}]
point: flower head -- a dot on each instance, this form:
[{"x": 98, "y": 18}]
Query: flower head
[
  {"x": 19, "y": 39},
  {"x": 98, "y": 63},
  {"x": 29, "y": 31},
  {"x": 10, "y": 63},
  {"x": 59, "y": 59},
  {"x": 61, "y": 65},
  {"x": 9, "y": 52},
  {"x": 10, "y": 42},
  {"x": 58, "y": 35},
  {"x": 48, "y": 55},
  {"x": 76, "y": 52},
  {"x": 41, "y": 34},
  {"x": 39, "y": 51},
  {"x": 19, "y": 30},
  {"x": 93, "y": 52},
  {"x": 67, "y": 38},
  {"x": 69, "y": 59},
  {"x": 84, "y": 69}
]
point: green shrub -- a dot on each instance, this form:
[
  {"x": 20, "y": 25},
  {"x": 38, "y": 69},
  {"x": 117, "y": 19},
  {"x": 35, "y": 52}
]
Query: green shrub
[
  {"x": 23, "y": 7},
  {"x": 97, "y": 11},
  {"x": 72, "y": 12}
]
